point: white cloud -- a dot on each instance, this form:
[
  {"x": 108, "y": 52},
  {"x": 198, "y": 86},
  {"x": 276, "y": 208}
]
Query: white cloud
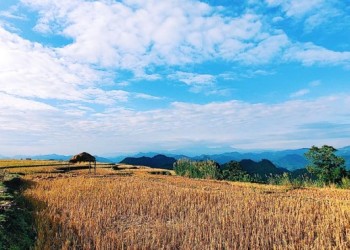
[
  {"x": 305, "y": 91},
  {"x": 310, "y": 54},
  {"x": 146, "y": 96},
  {"x": 193, "y": 78},
  {"x": 315, "y": 83},
  {"x": 134, "y": 35},
  {"x": 242, "y": 124},
  {"x": 11, "y": 103},
  {"x": 137, "y": 35},
  {"x": 266, "y": 50},
  {"x": 197, "y": 82},
  {"x": 277, "y": 19},
  {"x": 220, "y": 92},
  {"x": 296, "y": 8},
  {"x": 300, "y": 93},
  {"x": 110, "y": 97},
  {"x": 227, "y": 123},
  {"x": 31, "y": 70},
  {"x": 312, "y": 12},
  {"x": 54, "y": 97},
  {"x": 11, "y": 15},
  {"x": 140, "y": 35}
]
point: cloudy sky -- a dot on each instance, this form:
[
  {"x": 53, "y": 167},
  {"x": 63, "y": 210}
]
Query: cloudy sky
[{"x": 112, "y": 77}]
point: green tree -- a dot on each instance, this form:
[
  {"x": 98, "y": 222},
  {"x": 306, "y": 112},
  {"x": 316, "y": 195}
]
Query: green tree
[
  {"x": 328, "y": 167},
  {"x": 232, "y": 171}
]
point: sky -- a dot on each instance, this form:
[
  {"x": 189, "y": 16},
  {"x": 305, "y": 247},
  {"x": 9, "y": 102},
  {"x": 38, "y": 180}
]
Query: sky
[{"x": 115, "y": 77}]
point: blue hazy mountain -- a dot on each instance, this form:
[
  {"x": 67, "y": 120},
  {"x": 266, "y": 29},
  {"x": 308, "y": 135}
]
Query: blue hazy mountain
[
  {"x": 289, "y": 159},
  {"x": 55, "y": 157}
]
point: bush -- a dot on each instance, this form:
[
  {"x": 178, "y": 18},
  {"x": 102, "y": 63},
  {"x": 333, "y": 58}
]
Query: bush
[
  {"x": 197, "y": 169},
  {"x": 345, "y": 183},
  {"x": 286, "y": 180},
  {"x": 279, "y": 179},
  {"x": 232, "y": 171}
]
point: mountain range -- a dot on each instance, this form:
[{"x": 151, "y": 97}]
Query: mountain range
[
  {"x": 288, "y": 159},
  {"x": 54, "y": 157},
  {"x": 258, "y": 170}
]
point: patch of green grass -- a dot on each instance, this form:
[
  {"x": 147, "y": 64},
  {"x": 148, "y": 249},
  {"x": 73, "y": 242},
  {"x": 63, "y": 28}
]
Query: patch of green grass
[{"x": 16, "y": 223}]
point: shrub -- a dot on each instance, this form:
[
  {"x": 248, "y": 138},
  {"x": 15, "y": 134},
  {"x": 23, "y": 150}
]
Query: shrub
[
  {"x": 232, "y": 171},
  {"x": 345, "y": 183},
  {"x": 197, "y": 169},
  {"x": 287, "y": 180}
]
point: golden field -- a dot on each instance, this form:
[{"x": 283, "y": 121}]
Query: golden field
[
  {"x": 133, "y": 209},
  {"x": 26, "y": 163}
]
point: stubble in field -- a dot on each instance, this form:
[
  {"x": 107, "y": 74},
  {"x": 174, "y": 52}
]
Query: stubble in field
[{"x": 165, "y": 212}]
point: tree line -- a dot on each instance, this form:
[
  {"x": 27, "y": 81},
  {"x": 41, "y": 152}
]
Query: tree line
[{"x": 325, "y": 168}]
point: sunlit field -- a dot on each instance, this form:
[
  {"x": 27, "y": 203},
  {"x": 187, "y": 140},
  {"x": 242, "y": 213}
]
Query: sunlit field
[
  {"x": 141, "y": 208},
  {"x": 27, "y": 163},
  {"x": 133, "y": 209}
]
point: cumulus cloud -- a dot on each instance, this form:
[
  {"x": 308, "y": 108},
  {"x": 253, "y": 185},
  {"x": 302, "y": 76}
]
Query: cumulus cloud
[
  {"x": 310, "y": 54},
  {"x": 197, "y": 82},
  {"x": 312, "y": 12},
  {"x": 193, "y": 78},
  {"x": 266, "y": 50},
  {"x": 296, "y": 8},
  {"x": 136, "y": 34},
  {"x": 31, "y": 70}
]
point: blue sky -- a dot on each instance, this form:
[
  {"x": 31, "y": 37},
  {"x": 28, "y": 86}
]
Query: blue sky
[{"x": 115, "y": 77}]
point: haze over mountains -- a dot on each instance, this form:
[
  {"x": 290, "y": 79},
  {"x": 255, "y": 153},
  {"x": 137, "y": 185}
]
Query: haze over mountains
[{"x": 288, "y": 159}]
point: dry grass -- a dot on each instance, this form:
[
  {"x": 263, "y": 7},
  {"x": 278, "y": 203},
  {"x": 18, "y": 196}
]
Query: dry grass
[
  {"x": 27, "y": 163},
  {"x": 45, "y": 166},
  {"x": 144, "y": 211},
  {"x": 33, "y": 170}
]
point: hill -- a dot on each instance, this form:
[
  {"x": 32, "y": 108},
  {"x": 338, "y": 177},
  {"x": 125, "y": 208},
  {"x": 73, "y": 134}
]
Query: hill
[
  {"x": 157, "y": 161},
  {"x": 259, "y": 171},
  {"x": 262, "y": 168}
]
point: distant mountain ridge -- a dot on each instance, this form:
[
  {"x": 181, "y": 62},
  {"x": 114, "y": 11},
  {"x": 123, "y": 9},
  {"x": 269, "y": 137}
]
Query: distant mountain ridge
[
  {"x": 54, "y": 157},
  {"x": 258, "y": 170},
  {"x": 157, "y": 161},
  {"x": 289, "y": 159}
]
